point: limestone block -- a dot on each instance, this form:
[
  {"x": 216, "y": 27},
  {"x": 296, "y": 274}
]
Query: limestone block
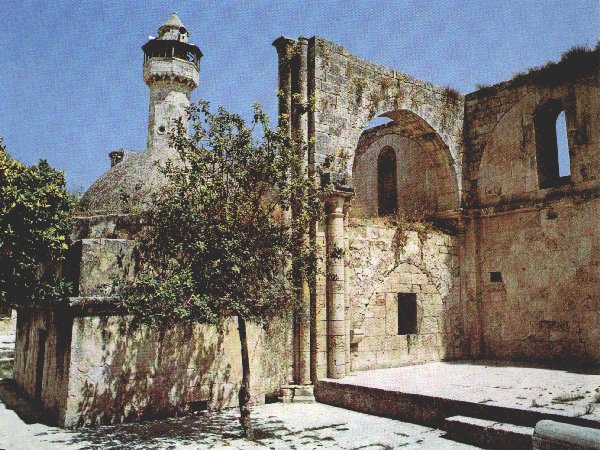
[
  {"x": 550, "y": 435},
  {"x": 97, "y": 263}
]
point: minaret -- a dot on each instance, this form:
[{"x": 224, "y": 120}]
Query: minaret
[{"x": 171, "y": 71}]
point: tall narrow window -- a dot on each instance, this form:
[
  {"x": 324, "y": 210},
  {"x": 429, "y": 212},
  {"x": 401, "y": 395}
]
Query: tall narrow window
[
  {"x": 387, "y": 182},
  {"x": 552, "y": 149},
  {"x": 564, "y": 163}
]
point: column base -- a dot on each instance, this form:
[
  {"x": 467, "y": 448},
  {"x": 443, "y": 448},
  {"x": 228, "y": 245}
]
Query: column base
[{"x": 296, "y": 393}]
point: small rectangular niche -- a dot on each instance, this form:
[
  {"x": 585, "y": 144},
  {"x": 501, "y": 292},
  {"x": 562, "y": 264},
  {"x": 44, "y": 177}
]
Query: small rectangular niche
[
  {"x": 198, "y": 406},
  {"x": 407, "y": 313},
  {"x": 495, "y": 277}
]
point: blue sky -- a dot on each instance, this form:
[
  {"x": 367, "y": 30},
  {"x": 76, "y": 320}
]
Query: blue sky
[{"x": 71, "y": 85}]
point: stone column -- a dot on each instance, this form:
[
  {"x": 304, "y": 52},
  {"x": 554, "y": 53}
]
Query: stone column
[
  {"x": 336, "y": 308},
  {"x": 285, "y": 81},
  {"x": 293, "y": 88},
  {"x": 300, "y": 124}
]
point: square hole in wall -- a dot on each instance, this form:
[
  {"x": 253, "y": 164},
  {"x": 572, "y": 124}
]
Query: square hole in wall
[
  {"x": 407, "y": 313},
  {"x": 495, "y": 277},
  {"x": 198, "y": 406}
]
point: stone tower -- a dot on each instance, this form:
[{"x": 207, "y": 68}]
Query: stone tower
[{"x": 171, "y": 71}]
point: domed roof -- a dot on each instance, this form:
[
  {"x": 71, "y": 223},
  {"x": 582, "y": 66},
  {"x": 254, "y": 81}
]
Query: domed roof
[
  {"x": 173, "y": 22},
  {"x": 127, "y": 186}
]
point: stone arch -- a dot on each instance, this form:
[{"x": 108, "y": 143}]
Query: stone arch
[
  {"x": 425, "y": 166},
  {"x": 423, "y": 124}
]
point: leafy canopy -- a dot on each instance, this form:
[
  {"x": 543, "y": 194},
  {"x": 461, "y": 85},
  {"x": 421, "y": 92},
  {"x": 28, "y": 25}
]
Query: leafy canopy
[
  {"x": 221, "y": 240},
  {"x": 34, "y": 224}
]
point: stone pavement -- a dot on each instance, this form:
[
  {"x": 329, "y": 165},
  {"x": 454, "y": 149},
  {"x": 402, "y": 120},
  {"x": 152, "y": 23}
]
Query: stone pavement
[
  {"x": 278, "y": 425},
  {"x": 563, "y": 392}
]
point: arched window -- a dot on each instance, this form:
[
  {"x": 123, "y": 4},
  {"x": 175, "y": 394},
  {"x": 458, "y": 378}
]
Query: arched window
[
  {"x": 386, "y": 181},
  {"x": 552, "y": 148}
]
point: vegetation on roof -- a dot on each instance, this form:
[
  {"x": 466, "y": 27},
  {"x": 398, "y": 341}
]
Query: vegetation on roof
[{"x": 577, "y": 62}]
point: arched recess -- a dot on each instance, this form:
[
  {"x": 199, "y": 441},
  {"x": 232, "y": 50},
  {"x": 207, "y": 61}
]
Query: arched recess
[{"x": 426, "y": 179}]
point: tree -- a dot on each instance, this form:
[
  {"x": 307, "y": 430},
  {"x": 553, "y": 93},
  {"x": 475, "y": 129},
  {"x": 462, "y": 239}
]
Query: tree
[
  {"x": 34, "y": 225},
  {"x": 220, "y": 240}
]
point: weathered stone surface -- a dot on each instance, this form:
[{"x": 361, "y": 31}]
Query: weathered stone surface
[
  {"x": 100, "y": 369},
  {"x": 98, "y": 263},
  {"x": 384, "y": 260},
  {"x": 550, "y": 435}
]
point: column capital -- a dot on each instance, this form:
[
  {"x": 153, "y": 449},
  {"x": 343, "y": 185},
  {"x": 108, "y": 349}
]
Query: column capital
[{"x": 337, "y": 189}]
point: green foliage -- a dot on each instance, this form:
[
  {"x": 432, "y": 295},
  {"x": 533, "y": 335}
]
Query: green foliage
[
  {"x": 221, "y": 239},
  {"x": 34, "y": 224}
]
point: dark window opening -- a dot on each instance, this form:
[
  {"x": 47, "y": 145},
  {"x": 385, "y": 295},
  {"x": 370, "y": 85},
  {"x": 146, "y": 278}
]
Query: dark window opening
[
  {"x": 386, "y": 180},
  {"x": 496, "y": 277},
  {"x": 4, "y": 312},
  {"x": 407, "y": 313},
  {"x": 198, "y": 406},
  {"x": 552, "y": 148}
]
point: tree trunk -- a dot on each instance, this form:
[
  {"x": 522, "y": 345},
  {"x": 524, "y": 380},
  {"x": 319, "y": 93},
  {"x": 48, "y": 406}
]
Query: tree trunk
[{"x": 244, "y": 394}]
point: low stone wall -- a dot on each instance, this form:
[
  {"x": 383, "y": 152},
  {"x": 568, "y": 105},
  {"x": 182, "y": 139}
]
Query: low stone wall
[{"x": 95, "y": 370}]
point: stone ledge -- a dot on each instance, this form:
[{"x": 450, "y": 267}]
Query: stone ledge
[
  {"x": 488, "y": 433},
  {"x": 550, "y": 435}
]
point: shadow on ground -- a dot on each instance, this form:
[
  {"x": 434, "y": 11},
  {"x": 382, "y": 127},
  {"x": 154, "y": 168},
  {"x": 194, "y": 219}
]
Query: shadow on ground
[
  {"x": 205, "y": 430},
  {"x": 208, "y": 430}
]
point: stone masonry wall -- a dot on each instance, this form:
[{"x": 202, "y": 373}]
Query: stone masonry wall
[
  {"x": 383, "y": 261},
  {"x": 547, "y": 306},
  {"x": 542, "y": 241},
  {"x": 42, "y": 359},
  {"x": 119, "y": 373},
  {"x": 98, "y": 368},
  {"x": 500, "y": 132}
]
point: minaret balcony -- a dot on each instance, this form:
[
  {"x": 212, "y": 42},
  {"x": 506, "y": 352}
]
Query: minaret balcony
[{"x": 159, "y": 48}]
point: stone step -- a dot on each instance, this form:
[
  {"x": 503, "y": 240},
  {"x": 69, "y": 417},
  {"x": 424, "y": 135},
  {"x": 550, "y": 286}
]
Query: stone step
[
  {"x": 6, "y": 360},
  {"x": 432, "y": 410},
  {"x": 488, "y": 433}
]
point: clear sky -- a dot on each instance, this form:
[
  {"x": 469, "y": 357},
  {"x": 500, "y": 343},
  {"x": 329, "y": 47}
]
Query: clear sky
[{"x": 71, "y": 86}]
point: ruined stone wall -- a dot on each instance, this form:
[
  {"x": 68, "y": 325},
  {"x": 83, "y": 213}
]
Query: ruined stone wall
[
  {"x": 543, "y": 242},
  {"x": 384, "y": 260},
  {"x": 118, "y": 373},
  {"x": 349, "y": 92}
]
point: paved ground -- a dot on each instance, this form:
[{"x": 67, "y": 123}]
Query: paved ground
[
  {"x": 554, "y": 391},
  {"x": 311, "y": 426},
  {"x": 279, "y": 426}
]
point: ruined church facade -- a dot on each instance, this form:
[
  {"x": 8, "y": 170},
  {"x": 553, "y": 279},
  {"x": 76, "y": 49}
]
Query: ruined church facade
[{"x": 449, "y": 234}]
